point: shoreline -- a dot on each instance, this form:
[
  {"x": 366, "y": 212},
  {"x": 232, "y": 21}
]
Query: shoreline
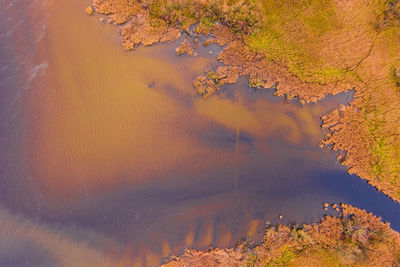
[
  {"x": 364, "y": 131},
  {"x": 141, "y": 27},
  {"x": 352, "y": 237}
]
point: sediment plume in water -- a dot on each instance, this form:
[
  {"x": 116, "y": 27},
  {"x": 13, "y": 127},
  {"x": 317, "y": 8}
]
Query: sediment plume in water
[
  {"x": 303, "y": 53},
  {"x": 113, "y": 160}
]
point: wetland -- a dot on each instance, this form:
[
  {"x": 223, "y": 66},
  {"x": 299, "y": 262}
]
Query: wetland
[{"x": 116, "y": 158}]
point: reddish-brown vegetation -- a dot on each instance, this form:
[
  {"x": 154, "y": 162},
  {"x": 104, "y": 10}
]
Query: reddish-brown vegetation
[{"x": 355, "y": 238}]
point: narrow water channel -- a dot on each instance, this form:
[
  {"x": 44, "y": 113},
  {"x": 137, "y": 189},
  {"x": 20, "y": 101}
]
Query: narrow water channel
[{"x": 109, "y": 157}]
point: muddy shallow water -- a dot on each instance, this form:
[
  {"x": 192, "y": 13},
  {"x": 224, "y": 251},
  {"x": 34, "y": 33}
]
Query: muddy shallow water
[{"x": 111, "y": 158}]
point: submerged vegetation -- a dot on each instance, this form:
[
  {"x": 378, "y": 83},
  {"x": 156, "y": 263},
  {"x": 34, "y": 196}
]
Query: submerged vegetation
[
  {"x": 305, "y": 49},
  {"x": 355, "y": 238}
]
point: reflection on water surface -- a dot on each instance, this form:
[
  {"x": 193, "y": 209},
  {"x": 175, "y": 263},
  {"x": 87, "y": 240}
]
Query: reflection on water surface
[{"x": 111, "y": 158}]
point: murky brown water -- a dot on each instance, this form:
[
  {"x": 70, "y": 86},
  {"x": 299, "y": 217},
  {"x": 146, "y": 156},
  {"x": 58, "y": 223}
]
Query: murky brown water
[{"x": 110, "y": 158}]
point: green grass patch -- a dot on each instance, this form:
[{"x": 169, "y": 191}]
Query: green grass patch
[
  {"x": 386, "y": 154},
  {"x": 288, "y": 255},
  {"x": 395, "y": 75},
  {"x": 289, "y": 30}
]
